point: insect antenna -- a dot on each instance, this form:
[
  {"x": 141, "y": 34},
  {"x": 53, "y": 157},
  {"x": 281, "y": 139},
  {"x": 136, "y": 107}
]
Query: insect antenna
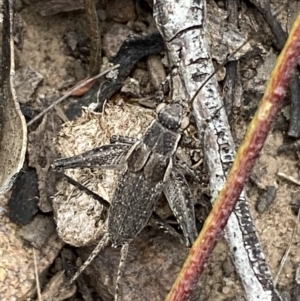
[{"x": 218, "y": 69}]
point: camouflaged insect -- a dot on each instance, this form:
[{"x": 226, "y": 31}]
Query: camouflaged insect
[{"x": 149, "y": 167}]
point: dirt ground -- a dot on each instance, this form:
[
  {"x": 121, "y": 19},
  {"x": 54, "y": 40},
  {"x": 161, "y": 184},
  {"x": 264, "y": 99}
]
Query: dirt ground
[{"x": 44, "y": 49}]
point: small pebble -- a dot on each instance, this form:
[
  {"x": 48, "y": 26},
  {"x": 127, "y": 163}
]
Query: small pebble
[
  {"x": 226, "y": 290},
  {"x": 266, "y": 199}
]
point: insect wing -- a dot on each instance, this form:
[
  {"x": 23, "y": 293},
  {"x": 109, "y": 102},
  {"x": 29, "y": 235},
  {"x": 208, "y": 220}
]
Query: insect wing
[{"x": 134, "y": 201}]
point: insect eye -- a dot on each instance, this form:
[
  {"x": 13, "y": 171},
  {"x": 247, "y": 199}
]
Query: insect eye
[
  {"x": 160, "y": 107},
  {"x": 185, "y": 122}
]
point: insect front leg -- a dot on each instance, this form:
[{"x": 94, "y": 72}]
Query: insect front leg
[
  {"x": 187, "y": 170},
  {"x": 190, "y": 143},
  {"x": 187, "y": 142}
]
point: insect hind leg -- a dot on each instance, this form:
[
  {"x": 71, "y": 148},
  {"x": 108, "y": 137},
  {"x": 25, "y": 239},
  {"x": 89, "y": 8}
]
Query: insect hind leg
[
  {"x": 108, "y": 156},
  {"x": 104, "y": 242},
  {"x": 181, "y": 201}
]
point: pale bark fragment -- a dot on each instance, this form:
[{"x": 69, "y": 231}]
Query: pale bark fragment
[
  {"x": 13, "y": 130},
  {"x": 182, "y": 23}
]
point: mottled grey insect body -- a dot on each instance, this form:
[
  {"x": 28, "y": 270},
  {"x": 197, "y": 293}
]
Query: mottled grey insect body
[
  {"x": 149, "y": 164},
  {"x": 148, "y": 170}
]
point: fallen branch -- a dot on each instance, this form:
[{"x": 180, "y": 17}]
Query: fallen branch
[{"x": 186, "y": 43}]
